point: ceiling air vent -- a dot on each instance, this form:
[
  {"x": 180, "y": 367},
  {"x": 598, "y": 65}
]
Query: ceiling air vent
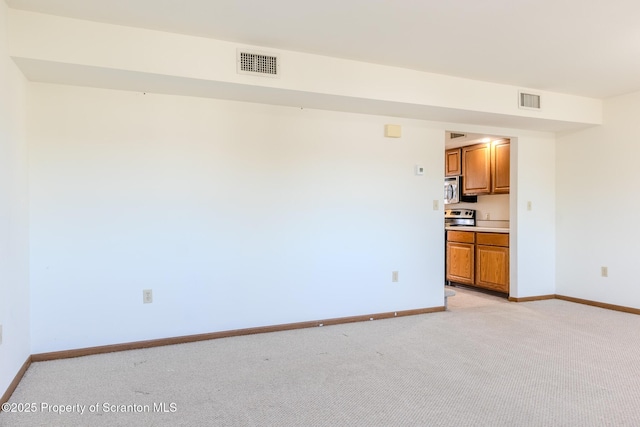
[
  {"x": 454, "y": 135},
  {"x": 258, "y": 63},
  {"x": 529, "y": 101}
]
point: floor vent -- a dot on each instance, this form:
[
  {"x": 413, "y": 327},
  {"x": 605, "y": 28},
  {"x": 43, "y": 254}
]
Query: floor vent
[
  {"x": 258, "y": 63},
  {"x": 529, "y": 101}
]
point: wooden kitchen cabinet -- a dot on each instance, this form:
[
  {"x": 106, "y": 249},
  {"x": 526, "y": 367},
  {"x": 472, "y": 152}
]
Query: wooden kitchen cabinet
[
  {"x": 486, "y": 168},
  {"x": 476, "y": 169},
  {"x": 461, "y": 257},
  {"x": 500, "y": 166},
  {"x": 479, "y": 259},
  {"x": 492, "y": 261},
  {"x": 453, "y": 162}
]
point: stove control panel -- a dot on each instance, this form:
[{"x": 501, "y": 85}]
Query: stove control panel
[{"x": 459, "y": 213}]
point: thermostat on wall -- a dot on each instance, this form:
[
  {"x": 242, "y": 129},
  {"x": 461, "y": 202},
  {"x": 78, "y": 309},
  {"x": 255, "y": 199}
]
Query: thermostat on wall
[{"x": 419, "y": 170}]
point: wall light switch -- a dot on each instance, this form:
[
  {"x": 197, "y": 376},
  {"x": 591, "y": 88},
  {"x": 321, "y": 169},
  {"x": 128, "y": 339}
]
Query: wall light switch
[
  {"x": 419, "y": 170},
  {"x": 0, "y": 334},
  {"x": 147, "y": 296},
  {"x": 529, "y": 205},
  {"x": 436, "y": 205}
]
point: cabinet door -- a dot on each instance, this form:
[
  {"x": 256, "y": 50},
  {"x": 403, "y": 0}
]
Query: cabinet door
[
  {"x": 476, "y": 168},
  {"x": 460, "y": 262},
  {"x": 492, "y": 267},
  {"x": 500, "y": 158},
  {"x": 452, "y": 162}
]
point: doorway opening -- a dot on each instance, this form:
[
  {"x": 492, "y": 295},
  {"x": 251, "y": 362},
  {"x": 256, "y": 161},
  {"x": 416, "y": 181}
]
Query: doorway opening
[{"x": 479, "y": 255}]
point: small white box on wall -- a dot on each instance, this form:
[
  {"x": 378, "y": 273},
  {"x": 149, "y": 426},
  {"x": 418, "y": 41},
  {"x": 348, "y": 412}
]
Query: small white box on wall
[{"x": 392, "y": 131}]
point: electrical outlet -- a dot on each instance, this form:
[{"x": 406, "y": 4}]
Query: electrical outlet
[
  {"x": 436, "y": 205},
  {"x": 529, "y": 205},
  {"x": 147, "y": 296},
  {"x": 604, "y": 271},
  {"x": 394, "y": 276}
]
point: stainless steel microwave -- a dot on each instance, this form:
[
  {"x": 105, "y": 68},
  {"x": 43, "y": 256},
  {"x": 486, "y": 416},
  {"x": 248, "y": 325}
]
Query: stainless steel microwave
[{"x": 453, "y": 191}]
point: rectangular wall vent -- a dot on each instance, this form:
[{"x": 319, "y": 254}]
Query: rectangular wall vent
[
  {"x": 258, "y": 63},
  {"x": 529, "y": 101}
]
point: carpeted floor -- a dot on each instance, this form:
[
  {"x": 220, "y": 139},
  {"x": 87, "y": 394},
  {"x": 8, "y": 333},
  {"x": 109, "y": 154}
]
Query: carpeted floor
[{"x": 483, "y": 362}]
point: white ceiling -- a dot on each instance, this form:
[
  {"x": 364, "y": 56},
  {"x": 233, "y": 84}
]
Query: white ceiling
[{"x": 589, "y": 48}]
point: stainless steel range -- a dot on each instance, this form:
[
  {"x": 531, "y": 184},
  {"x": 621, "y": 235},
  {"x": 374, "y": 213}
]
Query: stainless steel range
[
  {"x": 456, "y": 218},
  {"x": 459, "y": 217}
]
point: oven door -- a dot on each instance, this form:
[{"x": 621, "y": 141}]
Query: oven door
[{"x": 451, "y": 190}]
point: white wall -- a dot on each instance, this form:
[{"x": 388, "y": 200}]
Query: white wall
[
  {"x": 14, "y": 280},
  {"x": 494, "y": 205},
  {"x": 241, "y": 215},
  {"x": 235, "y": 214},
  {"x": 533, "y": 236},
  {"x": 598, "y": 205}
]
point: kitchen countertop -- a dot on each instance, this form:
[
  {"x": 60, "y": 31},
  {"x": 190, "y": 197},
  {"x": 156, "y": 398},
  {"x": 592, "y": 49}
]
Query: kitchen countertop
[{"x": 479, "y": 229}]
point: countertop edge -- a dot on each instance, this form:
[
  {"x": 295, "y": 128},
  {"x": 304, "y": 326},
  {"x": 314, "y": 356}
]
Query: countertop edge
[{"x": 479, "y": 229}]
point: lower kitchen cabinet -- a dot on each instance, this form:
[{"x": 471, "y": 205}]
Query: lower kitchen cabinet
[
  {"x": 460, "y": 256},
  {"x": 492, "y": 268},
  {"x": 479, "y": 259}
]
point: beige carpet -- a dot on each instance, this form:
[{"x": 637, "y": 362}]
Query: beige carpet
[
  {"x": 484, "y": 362},
  {"x": 469, "y": 298}
]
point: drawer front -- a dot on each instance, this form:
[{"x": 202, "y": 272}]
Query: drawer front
[
  {"x": 461, "y": 236},
  {"x": 493, "y": 239}
]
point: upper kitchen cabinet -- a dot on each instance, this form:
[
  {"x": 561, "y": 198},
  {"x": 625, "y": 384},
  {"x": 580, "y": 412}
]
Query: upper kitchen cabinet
[
  {"x": 452, "y": 162},
  {"x": 476, "y": 167},
  {"x": 500, "y": 154},
  {"x": 485, "y": 168}
]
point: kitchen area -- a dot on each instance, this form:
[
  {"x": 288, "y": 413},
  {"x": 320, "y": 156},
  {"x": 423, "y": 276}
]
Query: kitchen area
[{"x": 476, "y": 197}]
